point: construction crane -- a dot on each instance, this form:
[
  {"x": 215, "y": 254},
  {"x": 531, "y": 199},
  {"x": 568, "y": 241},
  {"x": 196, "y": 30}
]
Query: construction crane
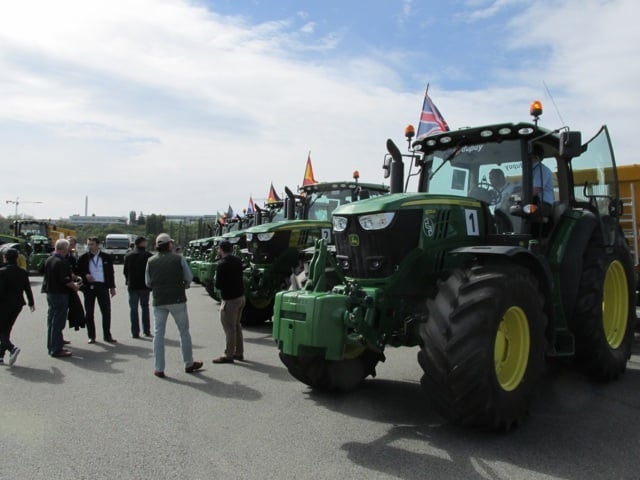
[{"x": 17, "y": 202}]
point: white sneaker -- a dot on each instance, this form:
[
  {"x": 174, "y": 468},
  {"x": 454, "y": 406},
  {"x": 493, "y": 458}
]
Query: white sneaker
[{"x": 13, "y": 355}]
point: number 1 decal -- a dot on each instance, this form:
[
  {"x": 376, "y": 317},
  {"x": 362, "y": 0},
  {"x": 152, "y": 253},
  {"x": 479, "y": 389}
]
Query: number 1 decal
[{"x": 471, "y": 217}]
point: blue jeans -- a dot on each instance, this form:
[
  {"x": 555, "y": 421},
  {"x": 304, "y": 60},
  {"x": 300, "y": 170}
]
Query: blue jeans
[
  {"x": 139, "y": 297},
  {"x": 56, "y": 320},
  {"x": 179, "y": 313}
]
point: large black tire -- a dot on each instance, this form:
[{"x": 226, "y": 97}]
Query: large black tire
[
  {"x": 256, "y": 314},
  {"x": 604, "y": 318},
  {"x": 334, "y": 375},
  {"x": 483, "y": 346},
  {"x": 213, "y": 293}
]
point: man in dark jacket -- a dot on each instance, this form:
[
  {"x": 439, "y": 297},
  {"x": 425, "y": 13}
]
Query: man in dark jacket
[
  {"x": 14, "y": 283},
  {"x": 95, "y": 268},
  {"x": 135, "y": 264},
  {"x": 229, "y": 282},
  {"x": 57, "y": 284}
]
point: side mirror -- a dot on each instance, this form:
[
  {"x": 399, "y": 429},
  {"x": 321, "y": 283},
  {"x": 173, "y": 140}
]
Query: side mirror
[
  {"x": 570, "y": 144},
  {"x": 386, "y": 166}
]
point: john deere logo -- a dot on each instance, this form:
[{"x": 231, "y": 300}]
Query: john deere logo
[
  {"x": 354, "y": 240},
  {"x": 428, "y": 227}
]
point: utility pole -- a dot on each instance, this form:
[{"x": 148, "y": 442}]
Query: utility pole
[{"x": 17, "y": 202}]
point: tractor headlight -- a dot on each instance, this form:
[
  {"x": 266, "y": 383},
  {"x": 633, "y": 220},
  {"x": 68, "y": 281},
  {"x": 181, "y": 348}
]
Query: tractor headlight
[
  {"x": 376, "y": 221},
  {"x": 265, "y": 237},
  {"x": 339, "y": 224},
  {"x": 249, "y": 237}
]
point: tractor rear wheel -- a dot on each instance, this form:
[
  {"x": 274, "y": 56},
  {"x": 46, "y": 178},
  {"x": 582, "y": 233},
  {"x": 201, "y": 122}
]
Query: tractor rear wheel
[
  {"x": 483, "y": 346},
  {"x": 335, "y": 375},
  {"x": 604, "y": 317}
]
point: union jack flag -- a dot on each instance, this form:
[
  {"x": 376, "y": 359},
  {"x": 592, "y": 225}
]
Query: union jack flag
[{"x": 431, "y": 120}]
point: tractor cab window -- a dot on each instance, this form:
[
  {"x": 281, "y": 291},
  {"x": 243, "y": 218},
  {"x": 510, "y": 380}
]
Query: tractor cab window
[
  {"x": 594, "y": 175},
  {"x": 322, "y": 204}
]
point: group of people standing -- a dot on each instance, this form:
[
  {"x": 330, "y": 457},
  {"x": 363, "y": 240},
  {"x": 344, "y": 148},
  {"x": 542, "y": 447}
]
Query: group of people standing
[{"x": 165, "y": 276}]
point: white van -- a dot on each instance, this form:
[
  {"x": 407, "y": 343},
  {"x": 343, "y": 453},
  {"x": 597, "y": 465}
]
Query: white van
[{"x": 118, "y": 245}]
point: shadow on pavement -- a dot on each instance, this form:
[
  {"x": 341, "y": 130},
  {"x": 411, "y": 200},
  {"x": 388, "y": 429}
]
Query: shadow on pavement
[
  {"x": 51, "y": 375},
  {"x": 568, "y": 412},
  {"x": 277, "y": 373},
  {"x": 216, "y": 388}
]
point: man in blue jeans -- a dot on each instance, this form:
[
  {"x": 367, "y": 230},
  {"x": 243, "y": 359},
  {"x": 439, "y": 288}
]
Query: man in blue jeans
[
  {"x": 168, "y": 275},
  {"x": 135, "y": 265},
  {"x": 58, "y": 284}
]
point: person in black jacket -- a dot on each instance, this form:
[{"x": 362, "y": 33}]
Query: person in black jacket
[
  {"x": 229, "y": 282},
  {"x": 135, "y": 265},
  {"x": 14, "y": 283},
  {"x": 95, "y": 268}
]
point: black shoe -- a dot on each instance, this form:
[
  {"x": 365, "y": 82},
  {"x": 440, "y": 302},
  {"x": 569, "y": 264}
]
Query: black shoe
[
  {"x": 92, "y": 340},
  {"x": 148, "y": 335},
  {"x": 158, "y": 373},
  {"x": 193, "y": 367},
  {"x": 66, "y": 342},
  {"x": 223, "y": 360},
  {"x": 135, "y": 336},
  {"x": 61, "y": 353},
  {"x": 111, "y": 340},
  {"x": 240, "y": 358}
]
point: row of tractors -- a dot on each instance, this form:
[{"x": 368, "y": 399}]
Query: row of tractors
[{"x": 276, "y": 242}]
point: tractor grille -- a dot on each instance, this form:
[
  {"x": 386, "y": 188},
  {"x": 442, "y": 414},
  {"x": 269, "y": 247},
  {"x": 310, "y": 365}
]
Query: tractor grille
[{"x": 377, "y": 253}]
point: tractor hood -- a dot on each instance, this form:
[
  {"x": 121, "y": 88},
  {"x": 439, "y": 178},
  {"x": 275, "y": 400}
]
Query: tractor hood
[
  {"x": 287, "y": 225},
  {"x": 399, "y": 201}
]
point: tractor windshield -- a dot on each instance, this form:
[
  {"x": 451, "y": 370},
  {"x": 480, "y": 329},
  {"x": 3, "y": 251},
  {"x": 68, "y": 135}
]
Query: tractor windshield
[
  {"x": 322, "y": 203},
  {"x": 491, "y": 172}
]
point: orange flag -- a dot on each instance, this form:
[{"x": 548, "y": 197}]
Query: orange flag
[
  {"x": 308, "y": 173},
  {"x": 273, "y": 196}
]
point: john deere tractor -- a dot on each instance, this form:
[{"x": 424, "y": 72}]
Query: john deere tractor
[
  {"x": 485, "y": 287},
  {"x": 279, "y": 251}
]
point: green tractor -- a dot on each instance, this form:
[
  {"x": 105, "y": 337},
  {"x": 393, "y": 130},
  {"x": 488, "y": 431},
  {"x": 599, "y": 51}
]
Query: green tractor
[
  {"x": 486, "y": 287},
  {"x": 38, "y": 243},
  {"x": 233, "y": 231},
  {"x": 197, "y": 252},
  {"x": 279, "y": 252}
]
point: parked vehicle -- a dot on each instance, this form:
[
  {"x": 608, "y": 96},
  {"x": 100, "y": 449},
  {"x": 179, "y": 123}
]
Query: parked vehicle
[{"x": 446, "y": 271}]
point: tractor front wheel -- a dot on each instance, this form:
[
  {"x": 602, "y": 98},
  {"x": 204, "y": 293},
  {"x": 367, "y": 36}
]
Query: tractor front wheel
[
  {"x": 483, "y": 346},
  {"x": 257, "y": 312}
]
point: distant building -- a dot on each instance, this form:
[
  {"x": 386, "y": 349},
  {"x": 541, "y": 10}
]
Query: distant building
[
  {"x": 189, "y": 219},
  {"x": 97, "y": 220}
]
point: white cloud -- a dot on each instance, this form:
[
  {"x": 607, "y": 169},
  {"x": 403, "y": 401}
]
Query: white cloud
[{"x": 165, "y": 107}]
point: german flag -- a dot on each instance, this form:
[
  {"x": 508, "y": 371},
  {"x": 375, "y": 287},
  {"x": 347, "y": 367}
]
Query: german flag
[
  {"x": 273, "y": 196},
  {"x": 308, "y": 179}
]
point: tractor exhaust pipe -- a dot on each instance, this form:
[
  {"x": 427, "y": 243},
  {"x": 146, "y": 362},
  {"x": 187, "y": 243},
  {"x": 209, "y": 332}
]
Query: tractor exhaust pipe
[
  {"x": 290, "y": 204},
  {"x": 258, "y": 219},
  {"x": 396, "y": 167}
]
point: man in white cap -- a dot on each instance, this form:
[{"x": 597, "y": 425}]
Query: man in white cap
[{"x": 168, "y": 275}]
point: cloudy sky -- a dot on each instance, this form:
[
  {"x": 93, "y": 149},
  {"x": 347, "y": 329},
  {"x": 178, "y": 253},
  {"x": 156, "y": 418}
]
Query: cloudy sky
[{"x": 187, "y": 106}]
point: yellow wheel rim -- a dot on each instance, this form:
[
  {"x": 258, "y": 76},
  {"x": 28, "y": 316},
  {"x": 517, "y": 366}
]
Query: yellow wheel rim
[
  {"x": 511, "y": 349},
  {"x": 615, "y": 304},
  {"x": 353, "y": 351},
  {"x": 259, "y": 303}
]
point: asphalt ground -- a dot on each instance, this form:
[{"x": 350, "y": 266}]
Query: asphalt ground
[{"x": 101, "y": 414}]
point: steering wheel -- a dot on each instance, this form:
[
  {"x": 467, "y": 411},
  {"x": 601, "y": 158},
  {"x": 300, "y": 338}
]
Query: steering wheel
[{"x": 485, "y": 193}]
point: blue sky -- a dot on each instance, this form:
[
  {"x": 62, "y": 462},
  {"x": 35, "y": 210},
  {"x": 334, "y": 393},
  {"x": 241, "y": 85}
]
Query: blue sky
[{"x": 176, "y": 106}]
